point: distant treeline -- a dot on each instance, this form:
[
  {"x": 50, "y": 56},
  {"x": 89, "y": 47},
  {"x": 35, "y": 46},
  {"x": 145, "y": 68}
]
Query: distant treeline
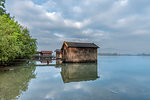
[
  {"x": 15, "y": 40},
  {"x": 108, "y": 54},
  {"x": 116, "y": 54}
]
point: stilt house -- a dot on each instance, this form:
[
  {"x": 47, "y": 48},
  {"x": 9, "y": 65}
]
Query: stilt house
[
  {"x": 58, "y": 54},
  {"x": 47, "y": 54}
]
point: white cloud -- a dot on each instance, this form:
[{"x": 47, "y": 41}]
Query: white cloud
[
  {"x": 59, "y": 35},
  {"x": 76, "y": 24},
  {"x": 53, "y": 16},
  {"x": 123, "y": 2},
  {"x": 110, "y": 22},
  {"x": 77, "y": 9},
  {"x": 141, "y": 32},
  {"x": 72, "y": 87},
  {"x": 95, "y": 33}
]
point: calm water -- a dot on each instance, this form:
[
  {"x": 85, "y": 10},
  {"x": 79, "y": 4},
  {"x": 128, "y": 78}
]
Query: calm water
[{"x": 113, "y": 78}]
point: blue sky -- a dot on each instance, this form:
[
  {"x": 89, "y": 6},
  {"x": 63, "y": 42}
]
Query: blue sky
[{"x": 121, "y": 26}]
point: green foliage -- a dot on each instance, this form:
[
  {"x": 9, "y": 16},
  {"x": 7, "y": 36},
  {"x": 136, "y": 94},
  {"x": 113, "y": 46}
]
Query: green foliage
[
  {"x": 2, "y": 7},
  {"x": 15, "y": 41},
  {"x": 28, "y": 45}
]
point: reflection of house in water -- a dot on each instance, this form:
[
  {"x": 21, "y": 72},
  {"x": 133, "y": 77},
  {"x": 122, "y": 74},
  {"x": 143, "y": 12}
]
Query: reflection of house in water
[
  {"x": 46, "y": 62},
  {"x": 58, "y": 62},
  {"x": 79, "y": 72}
]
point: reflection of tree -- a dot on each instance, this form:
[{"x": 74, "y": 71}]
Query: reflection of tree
[
  {"x": 14, "y": 82},
  {"x": 79, "y": 72}
]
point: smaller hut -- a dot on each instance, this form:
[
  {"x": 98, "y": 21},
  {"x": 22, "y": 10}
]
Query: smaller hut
[
  {"x": 58, "y": 54},
  {"x": 46, "y": 54}
]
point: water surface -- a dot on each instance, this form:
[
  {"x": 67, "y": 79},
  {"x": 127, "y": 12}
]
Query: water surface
[{"x": 113, "y": 78}]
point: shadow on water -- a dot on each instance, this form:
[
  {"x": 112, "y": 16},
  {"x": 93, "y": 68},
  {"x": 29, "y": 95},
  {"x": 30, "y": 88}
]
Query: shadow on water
[
  {"x": 79, "y": 72},
  {"x": 14, "y": 81}
]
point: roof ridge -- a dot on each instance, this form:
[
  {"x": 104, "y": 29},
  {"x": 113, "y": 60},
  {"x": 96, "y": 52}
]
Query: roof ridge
[{"x": 80, "y": 44}]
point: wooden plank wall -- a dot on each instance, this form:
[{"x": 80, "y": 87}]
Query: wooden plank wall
[{"x": 79, "y": 54}]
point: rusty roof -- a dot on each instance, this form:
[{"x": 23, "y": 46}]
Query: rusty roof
[
  {"x": 81, "y": 45},
  {"x": 46, "y": 52}
]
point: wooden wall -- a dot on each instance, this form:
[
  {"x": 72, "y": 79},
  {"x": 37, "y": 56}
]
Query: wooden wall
[
  {"x": 79, "y": 54},
  {"x": 46, "y": 55},
  {"x": 58, "y": 55}
]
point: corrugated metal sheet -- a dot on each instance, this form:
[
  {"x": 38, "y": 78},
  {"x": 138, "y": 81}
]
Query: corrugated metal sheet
[
  {"x": 81, "y": 45},
  {"x": 46, "y": 52}
]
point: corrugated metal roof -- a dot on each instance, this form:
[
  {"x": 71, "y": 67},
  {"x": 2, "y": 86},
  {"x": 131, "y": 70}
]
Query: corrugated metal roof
[
  {"x": 81, "y": 45},
  {"x": 46, "y": 52}
]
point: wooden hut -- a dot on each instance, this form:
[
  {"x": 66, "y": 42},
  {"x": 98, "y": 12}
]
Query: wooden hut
[
  {"x": 58, "y": 54},
  {"x": 79, "y": 52},
  {"x": 46, "y": 54}
]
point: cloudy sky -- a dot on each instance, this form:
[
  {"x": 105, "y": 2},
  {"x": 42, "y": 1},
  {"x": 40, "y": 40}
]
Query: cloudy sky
[{"x": 121, "y": 26}]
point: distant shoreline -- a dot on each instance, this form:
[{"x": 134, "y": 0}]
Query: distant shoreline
[
  {"x": 122, "y": 55},
  {"x": 115, "y": 54}
]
